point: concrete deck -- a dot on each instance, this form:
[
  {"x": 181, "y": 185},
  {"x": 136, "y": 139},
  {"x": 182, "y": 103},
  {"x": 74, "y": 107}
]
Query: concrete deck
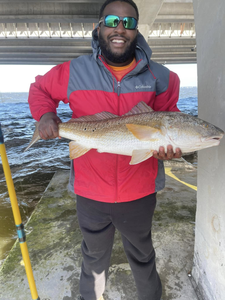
[{"x": 54, "y": 238}]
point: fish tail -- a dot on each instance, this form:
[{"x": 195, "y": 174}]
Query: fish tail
[{"x": 35, "y": 137}]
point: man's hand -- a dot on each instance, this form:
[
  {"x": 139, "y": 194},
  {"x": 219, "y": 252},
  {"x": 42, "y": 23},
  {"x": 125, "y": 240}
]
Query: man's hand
[
  {"x": 169, "y": 155},
  {"x": 48, "y": 126}
]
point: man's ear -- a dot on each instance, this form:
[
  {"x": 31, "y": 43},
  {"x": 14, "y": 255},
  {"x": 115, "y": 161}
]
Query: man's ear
[{"x": 98, "y": 28}]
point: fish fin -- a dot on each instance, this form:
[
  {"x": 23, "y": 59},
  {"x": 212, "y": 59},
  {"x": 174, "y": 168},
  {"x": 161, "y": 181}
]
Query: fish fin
[
  {"x": 97, "y": 117},
  {"x": 140, "y": 155},
  {"x": 76, "y": 150},
  {"x": 142, "y": 132},
  {"x": 140, "y": 108},
  {"x": 35, "y": 137}
]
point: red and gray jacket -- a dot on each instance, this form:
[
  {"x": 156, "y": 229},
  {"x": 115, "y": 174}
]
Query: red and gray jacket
[{"x": 90, "y": 87}]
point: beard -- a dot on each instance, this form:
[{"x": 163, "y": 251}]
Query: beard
[{"x": 113, "y": 56}]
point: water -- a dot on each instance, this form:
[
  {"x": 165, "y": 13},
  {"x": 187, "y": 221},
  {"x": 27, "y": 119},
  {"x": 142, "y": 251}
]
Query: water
[
  {"x": 188, "y": 101},
  {"x": 32, "y": 170}
]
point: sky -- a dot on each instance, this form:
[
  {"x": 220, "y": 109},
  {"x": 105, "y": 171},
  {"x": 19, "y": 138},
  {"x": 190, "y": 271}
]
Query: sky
[{"x": 17, "y": 78}]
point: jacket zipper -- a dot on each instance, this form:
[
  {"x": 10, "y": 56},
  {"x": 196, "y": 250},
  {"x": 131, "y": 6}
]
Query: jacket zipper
[
  {"x": 117, "y": 164},
  {"x": 118, "y": 88}
]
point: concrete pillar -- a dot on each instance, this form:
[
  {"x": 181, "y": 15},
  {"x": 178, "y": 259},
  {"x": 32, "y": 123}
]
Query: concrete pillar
[
  {"x": 144, "y": 30},
  {"x": 209, "y": 254},
  {"x": 148, "y": 11}
]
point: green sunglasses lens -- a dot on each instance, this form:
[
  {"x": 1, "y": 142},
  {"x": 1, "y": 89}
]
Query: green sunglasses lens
[
  {"x": 129, "y": 23},
  {"x": 113, "y": 21}
]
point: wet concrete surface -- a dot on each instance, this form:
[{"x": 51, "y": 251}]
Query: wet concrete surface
[{"x": 53, "y": 239}]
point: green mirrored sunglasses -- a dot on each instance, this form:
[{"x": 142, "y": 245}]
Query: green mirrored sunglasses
[{"x": 113, "y": 21}]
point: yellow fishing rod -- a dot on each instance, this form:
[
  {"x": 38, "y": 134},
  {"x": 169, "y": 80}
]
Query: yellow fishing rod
[{"x": 17, "y": 218}]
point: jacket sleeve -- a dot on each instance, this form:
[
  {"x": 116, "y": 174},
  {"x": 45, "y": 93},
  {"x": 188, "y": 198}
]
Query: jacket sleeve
[
  {"x": 48, "y": 90},
  {"x": 167, "y": 101}
]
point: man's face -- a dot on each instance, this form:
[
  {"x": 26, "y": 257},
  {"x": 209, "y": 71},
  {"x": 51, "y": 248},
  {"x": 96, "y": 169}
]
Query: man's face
[{"x": 118, "y": 44}]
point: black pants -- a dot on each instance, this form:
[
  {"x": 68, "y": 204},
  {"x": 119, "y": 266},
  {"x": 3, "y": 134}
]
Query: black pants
[{"x": 133, "y": 220}]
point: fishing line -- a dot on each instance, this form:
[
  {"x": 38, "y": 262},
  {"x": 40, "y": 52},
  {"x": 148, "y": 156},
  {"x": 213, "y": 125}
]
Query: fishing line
[
  {"x": 25, "y": 209},
  {"x": 23, "y": 201}
]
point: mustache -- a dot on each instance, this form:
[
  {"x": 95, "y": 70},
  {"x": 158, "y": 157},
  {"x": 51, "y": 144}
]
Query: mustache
[{"x": 116, "y": 36}]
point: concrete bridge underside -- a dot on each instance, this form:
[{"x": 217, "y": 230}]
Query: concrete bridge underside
[{"x": 51, "y": 32}]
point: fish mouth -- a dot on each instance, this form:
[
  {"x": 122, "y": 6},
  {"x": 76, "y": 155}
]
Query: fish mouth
[
  {"x": 215, "y": 140},
  {"x": 216, "y": 137}
]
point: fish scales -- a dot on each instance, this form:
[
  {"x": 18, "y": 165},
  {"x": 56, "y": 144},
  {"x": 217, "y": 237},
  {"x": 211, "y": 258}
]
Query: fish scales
[
  {"x": 137, "y": 133},
  {"x": 111, "y": 135}
]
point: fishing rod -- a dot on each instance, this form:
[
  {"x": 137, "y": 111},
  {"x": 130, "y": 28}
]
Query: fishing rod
[{"x": 17, "y": 218}]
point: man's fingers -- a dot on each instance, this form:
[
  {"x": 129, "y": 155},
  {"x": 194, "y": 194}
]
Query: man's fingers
[
  {"x": 161, "y": 153},
  {"x": 53, "y": 131},
  {"x": 169, "y": 154},
  {"x": 178, "y": 153},
  {"x": 48, "y": 126},
  {"x": 50, "y": 131},
  {"x": 155, "y": 154},
  {"x": 42, "y": 135}
]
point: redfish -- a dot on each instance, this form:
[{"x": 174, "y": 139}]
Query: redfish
[{"x": 137, "y": 133}]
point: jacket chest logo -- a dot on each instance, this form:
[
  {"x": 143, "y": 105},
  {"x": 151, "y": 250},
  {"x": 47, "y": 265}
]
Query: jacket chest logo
[{"x": 142, "y": 87}]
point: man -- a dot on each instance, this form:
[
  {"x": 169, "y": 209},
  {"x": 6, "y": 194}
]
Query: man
[{"x": 111, "y": 193}]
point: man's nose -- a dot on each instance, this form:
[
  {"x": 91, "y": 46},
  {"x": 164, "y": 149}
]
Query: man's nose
[{"x": 120, "y": 27}]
